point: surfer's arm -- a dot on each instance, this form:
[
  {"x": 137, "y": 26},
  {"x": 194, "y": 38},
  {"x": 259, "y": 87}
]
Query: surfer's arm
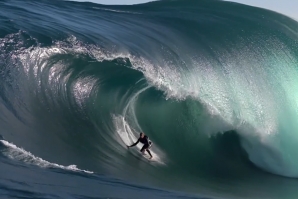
[
  {"x": 135, "y": 143},
  {"x": 147, "y": 140}
]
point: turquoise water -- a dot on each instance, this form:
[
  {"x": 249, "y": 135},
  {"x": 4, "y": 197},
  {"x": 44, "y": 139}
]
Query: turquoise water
[{"x": 213, "y": 84}]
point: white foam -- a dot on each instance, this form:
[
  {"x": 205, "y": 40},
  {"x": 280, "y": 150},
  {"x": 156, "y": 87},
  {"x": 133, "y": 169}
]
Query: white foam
[
  {"x": 119, "y": 11},
  {"x": 82, "y": 89},
  {"x": 16, "y": 153}
]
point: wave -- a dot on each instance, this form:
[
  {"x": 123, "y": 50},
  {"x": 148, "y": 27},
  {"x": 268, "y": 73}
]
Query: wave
[
  {"x": 211, "y": 83},
  {"x": 12, "y": 151}
]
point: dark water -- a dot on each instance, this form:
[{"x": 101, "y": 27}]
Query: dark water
[{"x": 213, "y": 84}]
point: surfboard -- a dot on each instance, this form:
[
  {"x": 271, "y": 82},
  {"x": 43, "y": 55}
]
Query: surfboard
[
  {"x": 139, "y": 155},
  {"x": 147, "y": 156}
]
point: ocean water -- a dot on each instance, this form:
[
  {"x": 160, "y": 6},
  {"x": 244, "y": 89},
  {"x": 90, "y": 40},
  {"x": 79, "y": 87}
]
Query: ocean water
[{"x": 214, "y": 85}]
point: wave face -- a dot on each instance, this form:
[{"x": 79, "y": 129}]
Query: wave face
[{"x": 213, "y": 84}]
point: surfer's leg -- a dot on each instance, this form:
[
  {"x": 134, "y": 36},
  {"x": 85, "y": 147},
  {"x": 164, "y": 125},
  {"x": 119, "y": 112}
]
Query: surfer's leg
[
  {"x": 149, "y": 153},
  {"x": 144, "y": 148}
]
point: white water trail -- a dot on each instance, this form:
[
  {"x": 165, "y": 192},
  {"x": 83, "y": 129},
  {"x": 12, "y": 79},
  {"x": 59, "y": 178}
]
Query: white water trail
[{"x": 16, "y": 153}]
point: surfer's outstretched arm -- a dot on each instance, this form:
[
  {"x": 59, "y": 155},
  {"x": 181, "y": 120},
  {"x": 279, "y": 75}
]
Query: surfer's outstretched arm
[{"x": 134, "y": 143}]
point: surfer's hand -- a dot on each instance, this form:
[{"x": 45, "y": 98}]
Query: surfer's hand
[{"x": 127, "y": 147}]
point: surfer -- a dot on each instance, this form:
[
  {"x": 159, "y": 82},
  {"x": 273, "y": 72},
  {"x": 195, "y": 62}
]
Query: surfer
[{"x": 147, "y": 144}]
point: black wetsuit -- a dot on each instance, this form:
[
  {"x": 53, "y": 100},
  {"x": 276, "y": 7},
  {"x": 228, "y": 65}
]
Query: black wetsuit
[{"x": 147, "y": 143}]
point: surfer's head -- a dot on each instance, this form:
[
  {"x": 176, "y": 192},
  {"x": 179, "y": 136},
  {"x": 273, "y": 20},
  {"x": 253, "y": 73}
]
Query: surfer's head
[{"x": 142, "y": 135}]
